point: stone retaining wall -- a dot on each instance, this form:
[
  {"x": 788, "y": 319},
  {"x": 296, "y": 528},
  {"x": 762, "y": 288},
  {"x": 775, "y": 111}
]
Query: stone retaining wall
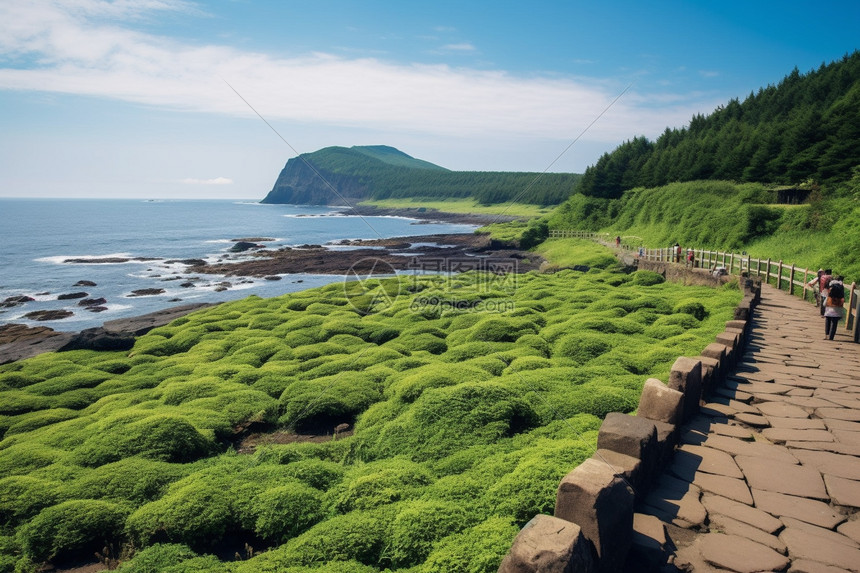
[{"x": 592, "y": 529}]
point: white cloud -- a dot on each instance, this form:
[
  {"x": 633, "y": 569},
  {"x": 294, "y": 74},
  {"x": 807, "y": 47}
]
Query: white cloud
[
  {"x": 82, "y": 47},
  {"x": 461, "y": 47},
  {"x": 215, "y": 181}
]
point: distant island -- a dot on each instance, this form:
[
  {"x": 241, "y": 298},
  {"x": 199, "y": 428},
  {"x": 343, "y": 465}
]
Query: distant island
[{"x": 346, "y": 176}]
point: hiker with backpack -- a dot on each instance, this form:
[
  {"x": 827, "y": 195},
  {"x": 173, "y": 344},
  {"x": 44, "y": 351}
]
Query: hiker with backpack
[{"x": 833, "y": 306}]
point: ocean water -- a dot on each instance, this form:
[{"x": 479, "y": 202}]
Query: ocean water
[{"x": 38, "y": 236}]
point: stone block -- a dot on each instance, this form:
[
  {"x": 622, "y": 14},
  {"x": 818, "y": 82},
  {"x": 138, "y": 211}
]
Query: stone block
[
  {"x": 744, "y": 310},
  {"x": 730, "y": 341},
  {"x": 686, "y": 377},
  {"x": 737, "y": 325},
  {"x": 601, "y": 503},
  {"x": 549, "y": 544},
  {"x": 660, "y": 403},
  {"x": 632, "y": 436},
  {"x": 716, "y": 351},
  {"x": 624, "y": 466},
  {"x": 712, "y": 374}
]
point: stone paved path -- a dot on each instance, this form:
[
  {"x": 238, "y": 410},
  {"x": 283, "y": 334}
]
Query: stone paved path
[{"x": 767, "y": 476}]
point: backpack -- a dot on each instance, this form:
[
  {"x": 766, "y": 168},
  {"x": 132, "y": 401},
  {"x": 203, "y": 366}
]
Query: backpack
[{"x": 836, "y": 290}]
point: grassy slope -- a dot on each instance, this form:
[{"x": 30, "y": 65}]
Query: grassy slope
[
  {"x": 727, "y": 216},
  {"x": 444, "y": 465},
  {"x": 462, "y": 206}
]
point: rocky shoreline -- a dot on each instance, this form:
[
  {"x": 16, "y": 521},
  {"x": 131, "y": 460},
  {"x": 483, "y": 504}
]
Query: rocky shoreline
[
  {"x": 19, "y": 341},
  {"x": 444, "y": 253}
]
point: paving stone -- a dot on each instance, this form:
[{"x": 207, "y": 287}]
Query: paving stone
[
  {"x": 782, "y": 435},
  {"x": 808, "y": 510},
  {"x": 847, "y": 414},
  {"x": 796, "y": 423},
  {"x": 851, "y": 529},
  {"x": 755, "y": 420},
  {"x": 677, "y": 502},
  {"x": 801, "y": 545},
  {"x": 846, "y": 436},
  {"x": 739, "y": 554},
  {"x": 804, "y": 392},
  {"x": 781, "y": 410},
  {"x": 724, "y": 524},
  {"x": 736, "y": 447},
  {"x": 780, "y": 477},
  {"x": 732, "y": 431},
  {"x": 820, "y": 532},
  {"x": 843, "y": 491},
  {"x": 842, "y": 425},
  {"x": 810, "y": 404},
  {"x": 731, "y": 488},
  {"x": 734, "y": 394},
  {"x": 807, "y": 566},
  {"x": 717, "y": 410},
  {"x": 758, "y": 518},
  {"x": 690, "y": 459},
  {"x": 835, "y": 447},
  {"x": 829, "y": 463}
]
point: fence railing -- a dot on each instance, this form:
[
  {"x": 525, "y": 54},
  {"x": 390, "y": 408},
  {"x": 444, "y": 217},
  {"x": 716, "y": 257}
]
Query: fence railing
[{"x": 787, "y": 277}]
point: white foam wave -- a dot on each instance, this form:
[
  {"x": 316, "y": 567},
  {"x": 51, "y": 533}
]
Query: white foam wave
[{"x": 61, "y": 259}]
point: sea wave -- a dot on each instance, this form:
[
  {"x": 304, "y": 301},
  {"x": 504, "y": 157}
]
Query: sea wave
[{"x": 61, "y": 259}]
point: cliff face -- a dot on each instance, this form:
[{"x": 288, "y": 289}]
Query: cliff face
[{"x": 299, "y": 185}]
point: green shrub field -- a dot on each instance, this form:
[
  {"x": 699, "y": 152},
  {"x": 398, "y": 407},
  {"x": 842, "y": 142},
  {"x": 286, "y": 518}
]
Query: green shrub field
[{"x": 462, "y": 422}]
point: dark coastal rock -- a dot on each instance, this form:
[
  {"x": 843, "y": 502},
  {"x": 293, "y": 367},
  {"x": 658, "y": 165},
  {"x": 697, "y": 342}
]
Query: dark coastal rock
[
  {"x": 99, "y": 339},
  {"x": 84, "y": 284},
  {"x": 271, "y": 278},
  {"x": 140, "y": 325},
  {"x": 14, "y": 301},
  {"x": 110, "y": 260},
  {"x": 42, "y": 315},
  {"x": 253, "y": 240},
  {"x": 92, "y": 301},
  {"x": 19, "y": 341},
  {"x": 146, "y": 292},
  {"x": 189, "y": 262},
  {"x": 97, "y": 308},
  {"x": 242, "y": 246},
  {"x": 187, "y": 285},
  {"x": 73, "y": 295}
]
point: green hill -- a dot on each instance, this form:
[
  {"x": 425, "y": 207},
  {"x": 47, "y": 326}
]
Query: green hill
[
  {"x": 777, "y": 175},
  {"x": 340, "y": 176},
  {"x": 806, "y": 128}
]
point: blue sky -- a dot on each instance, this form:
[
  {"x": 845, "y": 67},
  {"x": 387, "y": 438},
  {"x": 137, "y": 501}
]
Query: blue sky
[{"x": 131, "y": 98}]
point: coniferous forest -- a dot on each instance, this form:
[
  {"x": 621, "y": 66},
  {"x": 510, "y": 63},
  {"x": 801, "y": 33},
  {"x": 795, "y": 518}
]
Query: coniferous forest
[{"x": 805, "y": 128}]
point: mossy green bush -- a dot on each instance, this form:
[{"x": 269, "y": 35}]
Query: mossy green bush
[
  {"x": 73, "y": 528},
  {"x": 418, "y": 525},
  {"x": 329, "y": 401},
  {"x": 456, "y": 413},
  {"x": 158, "y": 558},
  {"x": 479, "y": 549},
  {"x": 196, "y": 512},
  {"x": 164, "y": 437},
  {"x": 378, "y": 483},
  {"x": 647, "y": 278},
  {"x": 285, "y": 511},
  {"x": 582, "y": 346},
  {"x": 22, "y": 497}
]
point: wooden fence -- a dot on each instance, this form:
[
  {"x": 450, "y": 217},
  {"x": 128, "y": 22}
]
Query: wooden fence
[{"x": 790, "y": 278}]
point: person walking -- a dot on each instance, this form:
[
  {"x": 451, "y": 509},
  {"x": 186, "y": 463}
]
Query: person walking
[
  {"x": 823, "y": 286},
  {"x": 833, "y": 307},
  {"x": 815, "y": 285}
]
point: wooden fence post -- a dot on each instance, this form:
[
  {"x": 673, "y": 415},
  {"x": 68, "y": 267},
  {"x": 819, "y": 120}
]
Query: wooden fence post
[
  {"x": 791, "y": 280},
  {"x": 851, "y": 313}
]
